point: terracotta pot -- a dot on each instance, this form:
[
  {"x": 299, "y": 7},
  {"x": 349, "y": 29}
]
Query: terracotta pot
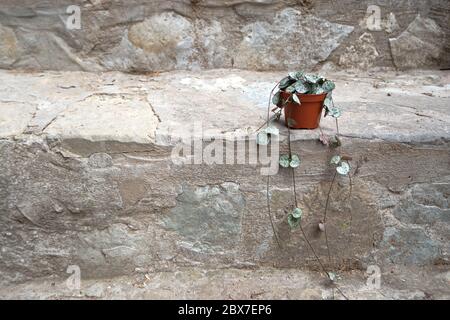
[{"x": 308, "y": 114}]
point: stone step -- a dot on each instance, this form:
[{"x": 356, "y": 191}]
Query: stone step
[
  {"x": 89, "y": 175},
  {"x": 238, "y": 284}
]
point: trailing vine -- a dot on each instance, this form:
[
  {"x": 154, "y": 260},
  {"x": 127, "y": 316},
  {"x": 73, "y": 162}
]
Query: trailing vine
[{"x": 300, "y": 83}]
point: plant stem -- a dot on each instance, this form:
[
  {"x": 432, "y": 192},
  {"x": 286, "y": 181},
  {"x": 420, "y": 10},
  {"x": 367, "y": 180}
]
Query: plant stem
[
  {"x": 328, "y": 197},
  {"x": 290, "y": 157},
  {"x": 324, "y": 270},
  {"x": 274, "y": 230},
  {"x": 325, "y": 216},
  {"x": 301, "y": 227},
  {"x": 270, "y": 119},
  {"x": 270, "y": 214}
]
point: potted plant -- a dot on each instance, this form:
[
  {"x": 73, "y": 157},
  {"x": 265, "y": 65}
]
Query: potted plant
[{"x": 303, "y": 96}]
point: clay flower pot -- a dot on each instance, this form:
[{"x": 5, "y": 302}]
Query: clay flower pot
[{"x": 304, "y": 116}]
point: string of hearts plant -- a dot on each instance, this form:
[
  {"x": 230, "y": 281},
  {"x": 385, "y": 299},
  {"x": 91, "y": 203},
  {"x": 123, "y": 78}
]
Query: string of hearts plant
[{"x": 291, "y": 91}]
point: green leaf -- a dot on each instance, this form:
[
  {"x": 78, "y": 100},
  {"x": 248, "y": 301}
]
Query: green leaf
[
  {"x": 285, "y": 161},
  {"x": 285, "y": 82},
  {"x": 317, "y": 89},
  {"x": 297, "y": 213},
  {"x": 328, "y": 86},
  {"x": 296, "y": 99},
  {"x": 328, "y": 103},
  {"x": 290, "y": 89},
  {"x": 343, "y": 169},
  {"x": 262, "y": 138},
  {"x": 293, "y": 222},
  {"x": 276, "y": 99},
  {"x": 335, "y": 112},
  {"x": 296, "y": 75},
  {"x": 335, "y": 160},
  {"x": 311, "y": 78},
  {"x": 295, "y": 161},
  {"x": 301, "y": 86}
]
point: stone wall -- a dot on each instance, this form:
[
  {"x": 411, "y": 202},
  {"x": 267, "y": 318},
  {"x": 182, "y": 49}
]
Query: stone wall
[
  {"x": 88, "y": 177},
  {"x": 152, "y": 35}
]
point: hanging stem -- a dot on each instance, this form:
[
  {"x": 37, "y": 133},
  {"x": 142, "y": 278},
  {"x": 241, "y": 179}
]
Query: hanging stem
[
  {"x": 325, "y": 216},
  {"x": 324, "y": 270},
  {"x": 295, "y": 192},
  {"x": 269, "y": 212}
]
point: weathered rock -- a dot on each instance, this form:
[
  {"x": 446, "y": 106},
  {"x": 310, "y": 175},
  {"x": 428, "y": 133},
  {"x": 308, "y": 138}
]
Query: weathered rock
[
  {"x": 94, "y": 183},
  {"x": 421, "y": 44},
  {"x": 13, "y": 118},
  {"x": 8, "y": 47},
  {"x": 261, "y": 283},
  {"x": 159, "y": 36},
  {"x": 208, "y": 218},
  {"x": 360, "y": 55},
  {"x": 167, "y": 41},
  {"x": 292, "y": 41}
]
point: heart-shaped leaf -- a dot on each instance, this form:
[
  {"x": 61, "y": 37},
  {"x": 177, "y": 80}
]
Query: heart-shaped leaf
[
  {"x": 328, "y": 101},
  {"x": 293, "y": 222},
  {"x": 285, "y": 82},
  {"x": 276, "y": 99},
  {"x": 311, "y": 78},
  {"x": 328, "y": 86},
  {"x": 297, "y": 213},
  {"x": 343, "y": 169},
  {"x": 296, "y": 99},
  {"x": 335, "y": 112},
  {"x": 301, "y": 86},
  {"x": 295, "y": 161},
  {"x": 290, "y": 89},
  {"x": 285, "y": 161},
  {"x": 317, "y": 89},
  {"x": 335, "y": 160},
  {"x": 296, "y": 75}
]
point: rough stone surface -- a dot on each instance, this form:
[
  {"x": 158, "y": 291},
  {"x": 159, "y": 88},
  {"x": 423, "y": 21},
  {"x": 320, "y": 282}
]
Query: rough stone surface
[
  {"x": 8, "y": 47},
  {"x": 208, "y": 218},
  {"x": 361, "y": 55},
  {"x": 271, "y": 45},
  {"x": 238, "y": 284},
  {"x": 103, "y": 193},
  {"x": 423, "y": 43},
  {"x": 141, "y": 35}
]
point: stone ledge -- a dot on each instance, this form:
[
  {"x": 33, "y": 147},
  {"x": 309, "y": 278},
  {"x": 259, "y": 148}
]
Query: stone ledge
[
  {"x": 231, "y": 284},
  {"x": 87, "y": 111}
]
